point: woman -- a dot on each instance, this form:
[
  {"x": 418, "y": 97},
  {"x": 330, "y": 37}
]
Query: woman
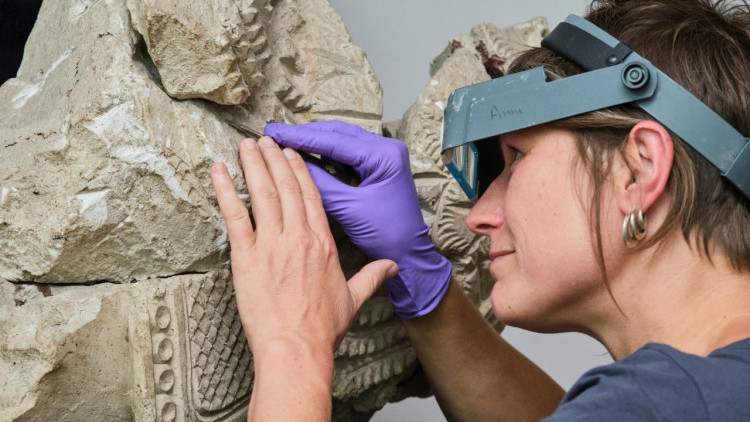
[{"x": 571, "y": 247}]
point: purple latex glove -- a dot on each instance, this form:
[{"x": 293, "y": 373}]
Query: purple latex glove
[{"x": 381, "y": 215}]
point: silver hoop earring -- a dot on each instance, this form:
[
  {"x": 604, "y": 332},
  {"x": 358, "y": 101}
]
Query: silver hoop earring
[{"x": 634, "y": 227}]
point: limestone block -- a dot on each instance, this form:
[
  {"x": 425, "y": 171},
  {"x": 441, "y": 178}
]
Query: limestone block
[
  {"x": 104, "y": 180},
  {"x": 67, "y": 353},
  {"x": 202, "y": 49},
  {"x": 483, "y": 53},
  {"x": 104, "y": 177},
  {"x": 158, "y": 350},
  {"x": 293, "y": 58},
  {"x": 168, "y": 349}
]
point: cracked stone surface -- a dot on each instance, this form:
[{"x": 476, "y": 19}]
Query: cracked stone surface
[
  {"x": 115, "y": 300},
  {"x": 105, "y": 176}
]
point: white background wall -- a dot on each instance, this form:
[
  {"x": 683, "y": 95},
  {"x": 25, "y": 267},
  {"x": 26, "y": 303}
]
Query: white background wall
[{"x": 401, "y": 37}]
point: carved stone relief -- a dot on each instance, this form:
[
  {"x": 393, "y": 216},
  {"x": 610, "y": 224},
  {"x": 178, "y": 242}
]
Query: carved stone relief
[
  {"x": 109, "y": 174},
  {"x": 115, "y": 298}
]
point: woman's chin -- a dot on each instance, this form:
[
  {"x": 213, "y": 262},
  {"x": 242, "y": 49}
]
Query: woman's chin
[
  {"x": 501, "y": 305},
  {"x": 508, "y": 311}
]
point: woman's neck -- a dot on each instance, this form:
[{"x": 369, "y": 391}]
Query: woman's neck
[{"x": 673, "y": 295}]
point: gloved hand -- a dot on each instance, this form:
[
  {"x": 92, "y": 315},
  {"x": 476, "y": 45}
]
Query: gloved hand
[{"x": 381, "y": 216}]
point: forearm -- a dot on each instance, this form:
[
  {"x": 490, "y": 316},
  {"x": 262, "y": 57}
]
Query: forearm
[
  {"x": 292, "y": 383},
  {"x": 476, "y": 375}
]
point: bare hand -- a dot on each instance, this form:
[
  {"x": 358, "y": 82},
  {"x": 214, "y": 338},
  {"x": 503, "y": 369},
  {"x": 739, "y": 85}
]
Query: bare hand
[{"x": 288, "y": 280}]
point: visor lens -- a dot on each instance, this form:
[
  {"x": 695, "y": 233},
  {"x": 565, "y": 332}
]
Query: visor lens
[
  {"x": 470, "y": 169},
  {"x": 463, "y": 166}
]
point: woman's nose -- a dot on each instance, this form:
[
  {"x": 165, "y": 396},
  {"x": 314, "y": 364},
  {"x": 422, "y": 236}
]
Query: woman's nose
[{"x": 487, "y": 213}]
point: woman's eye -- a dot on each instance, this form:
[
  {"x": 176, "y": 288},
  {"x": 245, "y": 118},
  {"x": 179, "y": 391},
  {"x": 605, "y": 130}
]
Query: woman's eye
[{"x": 515, "y": 155}]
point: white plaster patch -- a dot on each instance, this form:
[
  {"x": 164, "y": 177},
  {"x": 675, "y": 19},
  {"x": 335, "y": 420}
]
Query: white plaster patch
[
  {"x": 465, "y": 260},
  {"x": 4, "y": 194},
  {"x": 93, "y": 207},
  {"x": 53, "y": 253},
  {"x": 222, "y": 40},
  {"x": 59, "y": 144},
  {"x": 199, "y": 120},
  {"x": 26, "y": 93},
  {"x": 421, "y": 163},
  {"x": 117, "y": 124},
  {"x": 12, "y": 245},
  {"x": 156, "y": 162},
  {"x": 80, "y": 8}
]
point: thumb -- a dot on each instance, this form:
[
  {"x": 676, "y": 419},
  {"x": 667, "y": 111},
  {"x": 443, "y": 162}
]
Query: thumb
[
  {"x": 336, "y": 195},
  {"x": 326, "y": 183},
  {"x": 369, "y": 279}
]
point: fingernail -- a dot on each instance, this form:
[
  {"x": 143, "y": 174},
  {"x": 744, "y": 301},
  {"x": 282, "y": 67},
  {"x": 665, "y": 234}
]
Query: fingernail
[
  {"x": 219, "y": 168},
  {"x": 266, "y": 141},
  {"x": 290, "y": 153},
  {"x": 392, "y": 271},
  {"x": 250, "y": 143}
]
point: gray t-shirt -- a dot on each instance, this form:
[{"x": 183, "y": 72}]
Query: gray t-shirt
[{"x": 660, "y": 383}]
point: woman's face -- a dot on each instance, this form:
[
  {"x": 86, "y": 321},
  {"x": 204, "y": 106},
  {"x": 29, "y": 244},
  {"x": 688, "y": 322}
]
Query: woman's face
[{"x": 536, "y": 216}]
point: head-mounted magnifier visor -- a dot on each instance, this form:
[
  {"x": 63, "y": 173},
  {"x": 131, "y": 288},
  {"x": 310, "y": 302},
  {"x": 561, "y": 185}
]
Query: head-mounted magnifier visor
[{"x": 614, "y": 75}]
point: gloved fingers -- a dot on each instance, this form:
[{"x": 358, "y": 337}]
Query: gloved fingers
[
  {"x": 346, "y": 149},
  {"x": 233, "y": 210}
]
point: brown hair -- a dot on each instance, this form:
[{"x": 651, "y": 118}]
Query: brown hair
[{"x": 704, "y": 45}]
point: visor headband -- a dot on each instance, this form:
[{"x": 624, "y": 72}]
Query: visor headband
[
  {"x": 613, "y": 75},
  {"x": 584, "y": 49},
  {"x": 591, "y": 48}
]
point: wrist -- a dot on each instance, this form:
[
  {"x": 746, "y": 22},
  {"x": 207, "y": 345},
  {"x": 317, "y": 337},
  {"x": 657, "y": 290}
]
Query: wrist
[
  {"x": 421, "y": 284},
  {"x": 287, "y": 368},
  {"x": 296, "y": 354}
]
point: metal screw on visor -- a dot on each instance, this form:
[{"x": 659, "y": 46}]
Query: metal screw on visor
[{"x": 635, "y": 76}]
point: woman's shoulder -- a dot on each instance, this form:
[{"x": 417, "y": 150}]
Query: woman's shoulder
[
  {"x": 729, "y": 365},
  {"x": 658, "y": 382}
]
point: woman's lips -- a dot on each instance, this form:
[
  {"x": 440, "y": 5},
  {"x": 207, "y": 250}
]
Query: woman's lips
[{"x": 500, "y": 254}]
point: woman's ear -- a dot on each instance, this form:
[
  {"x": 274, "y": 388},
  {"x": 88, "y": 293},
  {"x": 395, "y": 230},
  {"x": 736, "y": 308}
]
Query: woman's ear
[{"x": 649, "y": 152}]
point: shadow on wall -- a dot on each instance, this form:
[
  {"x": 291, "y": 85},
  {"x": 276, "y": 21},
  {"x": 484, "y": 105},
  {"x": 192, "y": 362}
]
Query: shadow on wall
[{"x": 17, "y": 17}]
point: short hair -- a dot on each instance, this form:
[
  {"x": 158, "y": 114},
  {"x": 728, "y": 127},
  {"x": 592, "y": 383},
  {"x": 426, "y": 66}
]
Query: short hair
[{"x": 704, "y": 45}]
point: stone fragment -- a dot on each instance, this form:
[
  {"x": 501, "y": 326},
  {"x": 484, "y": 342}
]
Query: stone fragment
[
  {"x": 104, "y": 177},
  {"x": 168, "y": 349},
  {"x": 211, "y": 50},
  {"x": 162, "y": 349},
  {"x": 68, "y": 353}
]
